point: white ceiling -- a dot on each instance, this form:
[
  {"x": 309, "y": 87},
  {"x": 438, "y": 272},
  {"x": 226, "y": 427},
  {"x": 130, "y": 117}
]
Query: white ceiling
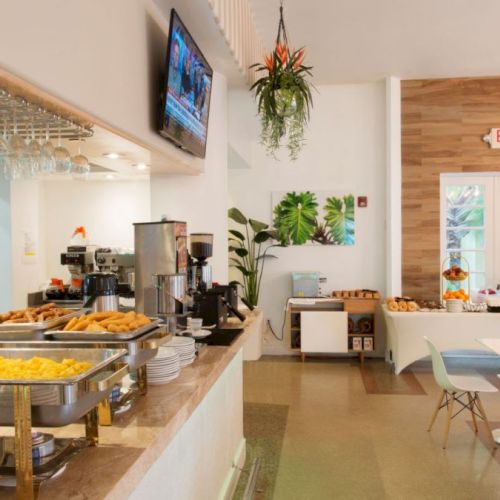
[{"x": 365, "y": 40}]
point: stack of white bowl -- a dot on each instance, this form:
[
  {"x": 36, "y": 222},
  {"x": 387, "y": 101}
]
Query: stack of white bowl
[
  {"x": 164, "y": 367},
  {"x": 454, "y": 305},
  {"x": 185, "y": 348}
]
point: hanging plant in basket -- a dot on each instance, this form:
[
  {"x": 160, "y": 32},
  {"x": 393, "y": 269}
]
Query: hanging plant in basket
[{"x": 283, "y": 95}]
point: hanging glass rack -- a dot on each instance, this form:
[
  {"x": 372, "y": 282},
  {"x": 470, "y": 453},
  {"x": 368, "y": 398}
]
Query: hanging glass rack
[{"x": 28, "y": 119}]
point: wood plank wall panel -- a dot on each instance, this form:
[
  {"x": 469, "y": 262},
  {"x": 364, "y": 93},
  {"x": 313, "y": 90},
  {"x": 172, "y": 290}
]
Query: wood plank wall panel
[{"x": 443, "y": 122}]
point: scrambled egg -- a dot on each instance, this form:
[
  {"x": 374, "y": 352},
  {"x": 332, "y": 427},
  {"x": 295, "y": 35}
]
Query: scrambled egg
[{"x": 40, "y": 368}]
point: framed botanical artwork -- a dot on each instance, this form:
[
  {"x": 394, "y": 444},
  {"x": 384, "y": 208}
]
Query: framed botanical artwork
[{"x": 314, "y": 217}]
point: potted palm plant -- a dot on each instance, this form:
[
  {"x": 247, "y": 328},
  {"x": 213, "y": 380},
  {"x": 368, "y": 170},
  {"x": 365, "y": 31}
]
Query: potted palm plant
[
  {"x": 283, "y": 95},
  {"x": 247, "y": 254}
]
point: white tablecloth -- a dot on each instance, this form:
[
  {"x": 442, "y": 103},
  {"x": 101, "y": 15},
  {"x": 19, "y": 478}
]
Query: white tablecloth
[{"x": 448, "y": 331}]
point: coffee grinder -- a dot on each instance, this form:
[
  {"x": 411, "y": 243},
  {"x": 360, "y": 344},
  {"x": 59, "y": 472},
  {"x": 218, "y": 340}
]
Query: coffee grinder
[{"x": 200, "y": 272}]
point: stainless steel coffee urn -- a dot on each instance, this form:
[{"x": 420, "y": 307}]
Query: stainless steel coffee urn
[{"x": 166, "y": 298}]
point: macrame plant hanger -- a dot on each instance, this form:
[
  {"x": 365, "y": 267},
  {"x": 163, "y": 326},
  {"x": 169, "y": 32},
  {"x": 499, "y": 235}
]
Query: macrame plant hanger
[{"x": 281, "y": 28}]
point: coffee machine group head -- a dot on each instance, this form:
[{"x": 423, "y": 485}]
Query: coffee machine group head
[{"x": 200, "y": 272}]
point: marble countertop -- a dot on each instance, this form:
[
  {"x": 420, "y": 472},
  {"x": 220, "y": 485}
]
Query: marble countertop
[{"x": 138, "y": 437}]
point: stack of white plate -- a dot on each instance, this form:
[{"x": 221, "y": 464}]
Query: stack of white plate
[
  {"x": 185, "y": 348},
  {"x": 164, "y": 367}
]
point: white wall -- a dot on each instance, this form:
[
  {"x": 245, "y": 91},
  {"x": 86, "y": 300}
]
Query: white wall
[
  {"x": 201, "y": 200},
  {"x": 345, "y": 152},
  {"x": 5, "y": 248},
  {"x": 393, "y": 145},
  {"x": 27, "y": 224},
  {"x": 107, "y": 209}
]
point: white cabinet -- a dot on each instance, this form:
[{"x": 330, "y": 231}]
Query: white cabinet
[{"x": 323, "y": 331}]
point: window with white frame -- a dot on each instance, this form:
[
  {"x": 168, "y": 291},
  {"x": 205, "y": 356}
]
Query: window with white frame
[{"x": 467, "y": 229}]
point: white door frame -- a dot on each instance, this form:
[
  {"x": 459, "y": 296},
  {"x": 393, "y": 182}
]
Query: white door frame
[{"x": 491, "y": 181}]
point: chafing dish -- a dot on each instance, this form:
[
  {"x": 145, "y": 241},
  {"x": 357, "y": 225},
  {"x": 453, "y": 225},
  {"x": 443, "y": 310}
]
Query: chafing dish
[
  {"x": 78, "y": 396},
  {"x": 71, "y": 397}
]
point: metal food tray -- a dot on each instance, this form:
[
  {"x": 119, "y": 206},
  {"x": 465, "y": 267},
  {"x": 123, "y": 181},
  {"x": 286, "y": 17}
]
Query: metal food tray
[
  {"x": 140, "y": 349},
  {"x": 8, "y": 329},
  {"x": 97, "y": 336},
  {"x": 71, "y": 397},
  {"x": 99, "y": 359}
]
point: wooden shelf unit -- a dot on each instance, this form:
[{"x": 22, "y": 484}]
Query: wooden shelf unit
[{"x": 356, "y": 308}]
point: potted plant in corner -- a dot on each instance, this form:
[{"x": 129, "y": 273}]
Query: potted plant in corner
[
  {"x": 283, "y": 95},
  {"x": 247, "y": 254}
]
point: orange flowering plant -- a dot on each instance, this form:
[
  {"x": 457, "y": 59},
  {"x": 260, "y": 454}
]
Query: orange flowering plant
[{"x": 283, "y": 98}]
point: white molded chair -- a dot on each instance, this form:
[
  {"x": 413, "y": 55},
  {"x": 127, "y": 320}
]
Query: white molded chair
[{"x": 455, "y": 387}]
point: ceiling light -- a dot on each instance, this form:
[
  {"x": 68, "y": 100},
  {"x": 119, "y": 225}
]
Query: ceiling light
[
  {"x": 112, "y": 156},
  {"x": 110, "y": 177},
  {"x": 141, "y": 166}
]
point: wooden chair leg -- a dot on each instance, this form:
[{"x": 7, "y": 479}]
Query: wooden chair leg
[
  {"x": 483, "y": 413},
  {"x": 436, "y": 411},
  {"x": 451, "y": 400},
  {"x": 471, "y": 408}
]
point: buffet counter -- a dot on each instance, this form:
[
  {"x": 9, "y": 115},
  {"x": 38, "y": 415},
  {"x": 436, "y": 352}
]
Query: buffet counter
[
  {"x": 449, "y": 331},
  {"x": 183, "y": 439}
]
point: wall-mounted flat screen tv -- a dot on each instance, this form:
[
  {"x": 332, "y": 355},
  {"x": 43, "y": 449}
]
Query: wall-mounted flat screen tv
[{"x": 186, "y": 91}]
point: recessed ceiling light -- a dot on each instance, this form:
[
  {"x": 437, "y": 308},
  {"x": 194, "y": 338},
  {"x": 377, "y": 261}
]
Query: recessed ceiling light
[
  {"x": 112, "y": 156},
  {"x": 110, "y": 177},
  {"x": 141, "y": 166}
]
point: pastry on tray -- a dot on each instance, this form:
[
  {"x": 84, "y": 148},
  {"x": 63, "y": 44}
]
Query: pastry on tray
[
  {"x": 34, "y": 314},
  {"x": 111, "y": 321}
]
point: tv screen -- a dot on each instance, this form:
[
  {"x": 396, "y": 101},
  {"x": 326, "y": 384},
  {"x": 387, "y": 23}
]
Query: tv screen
[{"x": 186, "y": 91}]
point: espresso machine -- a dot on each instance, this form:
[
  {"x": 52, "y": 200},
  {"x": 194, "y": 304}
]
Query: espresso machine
[
  {"x": 199, "y": 270},
  {"x": 161, "y": 260},
  {"x": 121, "y": 263},
  {"x": 211, "y": 307},
  {"x": 80, "y": 262}
]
